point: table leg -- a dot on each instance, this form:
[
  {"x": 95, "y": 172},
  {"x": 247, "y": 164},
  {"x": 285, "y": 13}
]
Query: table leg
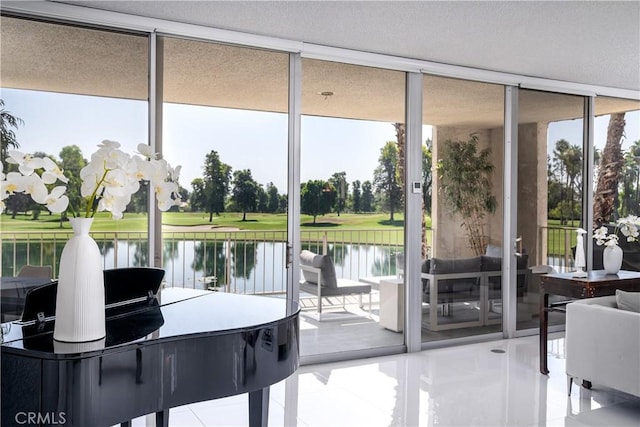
[
  {"x": 259, "y": 407},
  {"x": 162, "y": 418},
  {"x": 544, "y": 326}
]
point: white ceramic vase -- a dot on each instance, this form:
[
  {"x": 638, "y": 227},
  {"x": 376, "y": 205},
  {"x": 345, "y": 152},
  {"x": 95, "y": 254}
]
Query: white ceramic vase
[
  {"x": 612, "y": 259},
  {"x": 80, "y": 302}
]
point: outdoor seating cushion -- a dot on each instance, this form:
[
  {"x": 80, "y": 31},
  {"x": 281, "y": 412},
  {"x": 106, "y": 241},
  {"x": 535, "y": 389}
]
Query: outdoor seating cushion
[
  {"x": 324, "y": 263},
  {"x": 450, "y": 290}
]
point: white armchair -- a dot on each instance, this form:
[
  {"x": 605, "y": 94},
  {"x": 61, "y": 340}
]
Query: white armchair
[{"x": 603, "y": 344}]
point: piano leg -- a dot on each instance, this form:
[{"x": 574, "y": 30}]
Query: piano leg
[
  {"x": 162, "y": 418},
  {"x": 259, "y": 408}
]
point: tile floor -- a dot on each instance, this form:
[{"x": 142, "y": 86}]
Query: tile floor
[{"x": 487, "y": 384}]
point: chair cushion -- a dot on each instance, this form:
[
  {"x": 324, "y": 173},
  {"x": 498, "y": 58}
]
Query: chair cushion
[
  {"x": 459, "y": 265},
  {"x": 629, "y": 301},
  {"x": 494, "y": 251},
  {"x": 491, "y": 263},
  {"x": 324, "y": 263}
]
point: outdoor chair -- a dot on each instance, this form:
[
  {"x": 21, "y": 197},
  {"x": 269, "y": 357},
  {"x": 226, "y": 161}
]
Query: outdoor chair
[{"x": 320, "y": 280}]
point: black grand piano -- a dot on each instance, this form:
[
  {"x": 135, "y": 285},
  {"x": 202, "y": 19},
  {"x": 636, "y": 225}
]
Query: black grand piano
[{"x": 184, "y": 346}]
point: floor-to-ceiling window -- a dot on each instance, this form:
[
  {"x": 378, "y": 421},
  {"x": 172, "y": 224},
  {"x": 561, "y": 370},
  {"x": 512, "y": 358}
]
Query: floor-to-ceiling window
[
  {"x": 224, "y": 119},
  {"x": 463, "y": 150},
  {"x": 550, "y": 190},
  {"x": 65, "y": 89},
  {"x": 352, "y": 159}
]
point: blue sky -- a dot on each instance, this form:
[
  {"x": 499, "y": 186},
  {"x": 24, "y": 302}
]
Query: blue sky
[{"x": 243, "y": 139}]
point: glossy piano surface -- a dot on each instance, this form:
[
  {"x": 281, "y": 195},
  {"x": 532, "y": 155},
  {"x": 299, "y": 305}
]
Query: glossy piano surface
[{"x": 190, "y": 346}]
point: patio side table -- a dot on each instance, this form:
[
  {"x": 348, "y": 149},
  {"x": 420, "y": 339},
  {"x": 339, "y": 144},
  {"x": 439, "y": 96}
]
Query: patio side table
[
  {"x": 597, "y": 284},
  {"x": 392, "y": 304}
]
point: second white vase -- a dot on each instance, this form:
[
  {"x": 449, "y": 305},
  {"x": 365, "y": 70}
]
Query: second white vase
[
  {"x": 80, "y": 305},
  {"x": 612, "y": 259}
]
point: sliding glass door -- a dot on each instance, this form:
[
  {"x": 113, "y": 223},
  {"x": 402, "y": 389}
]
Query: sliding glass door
[
  {"x": 352, "y": 159},
  {"x": 462, "y": 280}
]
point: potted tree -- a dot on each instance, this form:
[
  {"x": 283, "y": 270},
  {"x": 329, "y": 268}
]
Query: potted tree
[{"x": 464, "y": 173}]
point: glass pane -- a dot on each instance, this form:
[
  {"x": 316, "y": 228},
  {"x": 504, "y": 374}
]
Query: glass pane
[
  {"x": 461, "y": 272},
  {"x": 225, "y": 121},
  {"x": 617, "y": 154},
  {"x": 550, "y": 159},
  {"x": 65, "y": 89},
  {"x": 352, "y": 209}
]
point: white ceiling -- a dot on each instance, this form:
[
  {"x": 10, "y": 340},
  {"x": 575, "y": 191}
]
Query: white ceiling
[{"x": 590, "y": 42}]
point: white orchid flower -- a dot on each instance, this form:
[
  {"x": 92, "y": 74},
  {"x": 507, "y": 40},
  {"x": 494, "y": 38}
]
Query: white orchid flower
[
  {"x": 164, "y": 192},
  {"x": 34, "y": 187},
  {"x": 27, "y": 164},
  {"x": 52, "y": 172},
  {"x": 109, "y": 144},
  {"x": 144, "y": 170},
  {"x": 57, "y": 201},
  {"x": 175, "y": 173},
  {"x": 108, "y": 181},
  {"x": 146, "y": 151},
  {"x": 13, "y": 183}
]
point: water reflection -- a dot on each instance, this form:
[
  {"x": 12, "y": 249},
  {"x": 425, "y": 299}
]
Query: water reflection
[
  {"x": 244, "y": 266},
  {"x": 244, "y": 258},
  {"x": 209, "y": 258}
]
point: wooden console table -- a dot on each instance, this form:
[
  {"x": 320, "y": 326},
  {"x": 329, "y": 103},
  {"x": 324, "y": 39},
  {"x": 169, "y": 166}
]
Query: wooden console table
[{"x": 597, "y": 284}]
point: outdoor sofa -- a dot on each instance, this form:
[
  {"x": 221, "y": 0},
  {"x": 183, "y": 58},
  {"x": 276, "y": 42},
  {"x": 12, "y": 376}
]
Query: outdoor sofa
[{"x": 474, "y": 280}]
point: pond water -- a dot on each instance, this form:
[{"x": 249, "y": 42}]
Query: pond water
[{"x": 244, "y": 267}]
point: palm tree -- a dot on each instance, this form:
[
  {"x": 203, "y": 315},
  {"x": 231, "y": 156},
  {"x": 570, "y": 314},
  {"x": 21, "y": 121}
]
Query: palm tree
[
  {"x": 7, "y": 134},
  {"x": 611, "y": 164}
]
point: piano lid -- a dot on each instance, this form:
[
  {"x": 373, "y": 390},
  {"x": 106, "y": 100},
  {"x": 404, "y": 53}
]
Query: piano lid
[{"x": 190, "y": 313}]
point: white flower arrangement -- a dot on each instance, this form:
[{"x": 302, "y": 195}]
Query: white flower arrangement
[
  {"x": 108, "y": 180},
  {"x": 628, "y": 226}
]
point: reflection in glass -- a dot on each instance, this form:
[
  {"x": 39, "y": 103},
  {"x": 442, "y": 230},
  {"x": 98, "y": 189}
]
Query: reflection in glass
[{"x": 461, "y": 283}]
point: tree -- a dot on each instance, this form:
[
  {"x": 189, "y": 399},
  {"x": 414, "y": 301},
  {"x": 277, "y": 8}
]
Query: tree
[
  {"x": 217, "y": 176},
  {"x": 262, "y": 198},
  {"x": 464, "y": 181},
  {"x": 273, "y": 198},
  {"x": 71, "y": 162},
  {"x": 356, "y": 196},
  {"x": 400, "y": 144},
  {"x": 316, "y": 198},
  {"x": 198, "y": 200},
  {"x": 245, "y": 192},
  {"x": 386, "y": 178},
  {"x": 611, "y": 164},
  {"x": 568, "y": 170},
  {"x": 339, "y": 182},
  {"x": 427, "y": 184},
  {"x": 8, "y": 138},
  {"x": 367, "y": 197},
  {"x": 427, "y": 175},
  {"x": 283, "y": 204}
]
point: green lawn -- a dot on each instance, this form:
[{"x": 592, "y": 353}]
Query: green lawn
[
  {"x": 345, "y": 227},
  {"x": 255, "y": 221}
]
